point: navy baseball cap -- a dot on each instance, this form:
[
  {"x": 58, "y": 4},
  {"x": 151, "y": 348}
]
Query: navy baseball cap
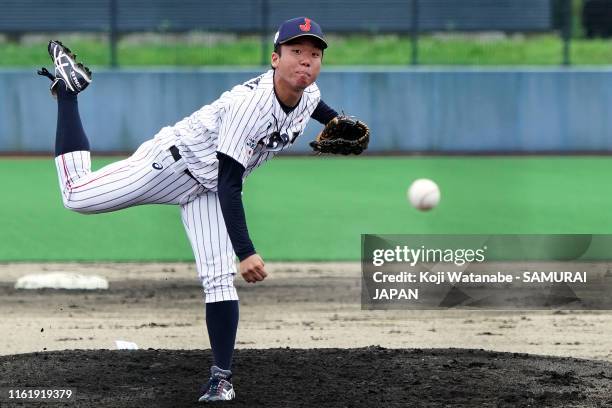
[{"x": 299, "y": 27}]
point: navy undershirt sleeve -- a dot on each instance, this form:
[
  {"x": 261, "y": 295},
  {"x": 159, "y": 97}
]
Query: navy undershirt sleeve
[
  {"x": 230, "y": 198},
  {"x": 323, "y": 113}
]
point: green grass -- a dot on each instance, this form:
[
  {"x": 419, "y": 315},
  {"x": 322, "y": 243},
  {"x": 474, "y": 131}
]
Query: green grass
[
  {"x": 317, "y": 208},
  {"x": 351, "y": 50}
]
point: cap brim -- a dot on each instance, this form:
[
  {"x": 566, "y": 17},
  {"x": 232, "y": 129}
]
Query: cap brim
[{"x": 305, "y": 35}]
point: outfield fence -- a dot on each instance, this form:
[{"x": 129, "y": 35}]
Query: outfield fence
[{"x": 409, "y": 110}]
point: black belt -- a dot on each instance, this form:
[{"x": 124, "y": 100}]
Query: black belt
[{"x": 177, "y": 156}]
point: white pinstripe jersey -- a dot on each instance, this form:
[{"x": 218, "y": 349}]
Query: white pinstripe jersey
[{"x": 246, "y": 123}]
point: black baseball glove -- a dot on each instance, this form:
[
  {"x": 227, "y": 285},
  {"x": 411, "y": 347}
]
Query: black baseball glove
[{"x": 342, "y": 135}]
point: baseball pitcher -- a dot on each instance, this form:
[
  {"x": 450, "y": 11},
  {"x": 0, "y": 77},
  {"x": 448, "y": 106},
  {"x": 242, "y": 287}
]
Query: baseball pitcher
[{"x": 200, "y": 164}]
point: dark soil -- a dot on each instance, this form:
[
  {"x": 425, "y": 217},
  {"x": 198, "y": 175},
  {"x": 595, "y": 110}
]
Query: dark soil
[{"x": 366, "y": 377}]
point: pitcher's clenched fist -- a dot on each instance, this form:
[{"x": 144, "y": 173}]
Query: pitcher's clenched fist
[{"x": 252, "y": 269}]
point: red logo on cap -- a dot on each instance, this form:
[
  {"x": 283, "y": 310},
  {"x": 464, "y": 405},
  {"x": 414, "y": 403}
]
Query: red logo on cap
[{"x": 306, "y": 25}]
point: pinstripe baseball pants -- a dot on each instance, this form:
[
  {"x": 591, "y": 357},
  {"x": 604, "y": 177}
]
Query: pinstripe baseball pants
[{"x": 152, "y": 176}]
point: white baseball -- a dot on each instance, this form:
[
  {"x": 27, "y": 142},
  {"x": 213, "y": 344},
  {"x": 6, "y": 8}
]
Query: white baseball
[{"x": 424, "y": 194}]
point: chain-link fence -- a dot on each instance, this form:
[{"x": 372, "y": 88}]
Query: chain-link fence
[{"x": 388, "y": 32}]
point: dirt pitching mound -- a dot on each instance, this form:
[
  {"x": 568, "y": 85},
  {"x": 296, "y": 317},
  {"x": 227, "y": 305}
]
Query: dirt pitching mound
[{"x": 365, "y": 377}]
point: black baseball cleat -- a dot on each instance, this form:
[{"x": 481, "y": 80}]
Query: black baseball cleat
[
  {"x": 68, "y": 72},
  {"x": 219, "y": 386}
]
